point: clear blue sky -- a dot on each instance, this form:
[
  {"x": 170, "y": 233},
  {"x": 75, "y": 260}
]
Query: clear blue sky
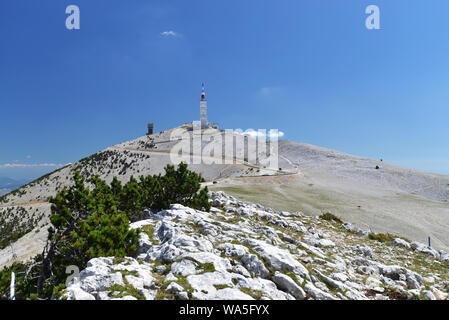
[{"x": 308, "y": 68}]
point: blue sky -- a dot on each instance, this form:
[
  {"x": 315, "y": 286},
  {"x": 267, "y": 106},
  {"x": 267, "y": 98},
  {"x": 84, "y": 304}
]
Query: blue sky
[{"x": 308, "y": 68}]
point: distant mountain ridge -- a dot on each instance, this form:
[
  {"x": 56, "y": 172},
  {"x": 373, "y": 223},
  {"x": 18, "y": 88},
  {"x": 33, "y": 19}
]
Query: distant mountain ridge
[{"x": 8, "y": 184}]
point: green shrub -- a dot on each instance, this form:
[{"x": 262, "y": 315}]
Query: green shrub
[
  {"x": 176, "y": 186},
  {"x": 382, "y": 237},
  {"x": 331, "y": 217},
  {"x": 24, "y": 289},
  {"x": 89, "y": 223}
]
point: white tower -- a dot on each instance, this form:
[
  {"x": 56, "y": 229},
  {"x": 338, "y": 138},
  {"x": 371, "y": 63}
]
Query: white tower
[{"x": 203, "y": 109}]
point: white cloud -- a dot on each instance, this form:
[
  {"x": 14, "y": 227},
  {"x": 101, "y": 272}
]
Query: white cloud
[
  {"x": 272, "y": 134},
  {"x": 29, "y": 165},
  {"x": 269, "y": 91},
  {"x": 170, "y": 33},
  {"x": 276, "y": 134}
]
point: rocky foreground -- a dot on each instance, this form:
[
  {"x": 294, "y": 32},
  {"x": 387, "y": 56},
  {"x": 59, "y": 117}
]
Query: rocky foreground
[{"x": 246, "y": 251}]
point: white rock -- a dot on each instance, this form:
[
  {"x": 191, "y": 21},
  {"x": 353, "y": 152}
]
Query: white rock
[
  {"x": 414, "y": 292},
  {"x": 220, "y": 264},
  {"x": 103, "y": 295},
  {"x": 239, "y": 269},
  {"x": 204, "y": 287},
  {"x": 286, "y": 283},
  {"x": 253, "y": 264},
  {"x": 317, "y": 293},
  {"x": 134, "y": 281},
  {"x": 205, "y": 282},
  {"x": 331, "y": 282},
  {"x": 268, "y": 288},
  {"x": 413, "y": 280},
  {"x": 188, "y": 238},
  {"x": 169, "y": 253},
  {"x": 174, "y": 287},
  {"x": 182, "y": 295},
  {"x": 144, "y": 244},
  {"x": 74, "y": 292},
  {"x": 286, "y": 214},
  {"x": 380, "y": 296},
  {"x": 184, "y": 268},
  {"x": 401, "y": 242},
  {"x": 161, "y": 269},
  {"x": 223, "y": 294},
  {"x": 278, "y": 258},
  {"x": 373, "y": 282},
  {"x": 148, "y": 294},
  {"x": 170, "y": 277},
  {"x": 348, "y": 227},
  {"x": 326, "y": 243},
  {"x": 393, "y": 272},
  {"x": 340, "y": 276},
  {"x": 429, "y": 295},
  {"x": 439, "y": 295},
  {"x": 366, "y": 251},
  {"x": 233, "y": 250},
  {"x": 361, "y": 232},
  {"x": 366, "y": 270},
  {"x": 355, "y": 295},
  {"x": 430, "y": 280},
  {"x": 445, "y": 257},
  {"x": 421, "y": 247},
  {"x": 100, "y": 282},
  {"x": 125, "y": 298}
]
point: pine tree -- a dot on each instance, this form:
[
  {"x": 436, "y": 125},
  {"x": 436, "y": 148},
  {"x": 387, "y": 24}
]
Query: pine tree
[{"x": 94, "y": 222}]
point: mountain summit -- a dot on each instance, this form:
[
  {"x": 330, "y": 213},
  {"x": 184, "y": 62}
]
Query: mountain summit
[{"x": 371, "y": 194}]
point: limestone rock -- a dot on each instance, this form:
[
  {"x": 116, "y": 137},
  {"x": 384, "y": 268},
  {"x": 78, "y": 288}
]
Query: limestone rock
[
  {"x": 279, "y": 259},
  {"x": 246, "y": 251},
  {"x": 173, "y": 287},
  {"x": 429, "y": 295},
  {"x": 184, "y": 268},
  {"x": 401, "y": 242},
  {"x": 421, "y": 247},
  {"x": 286, "y": 283},
  {"x": 364, "y": 250},
  {"x": 76, "y": 293},
  {"x": 253, "y": 264},
  {"x": 439, "y": 295},
  {"x": 317, "y": 293}
]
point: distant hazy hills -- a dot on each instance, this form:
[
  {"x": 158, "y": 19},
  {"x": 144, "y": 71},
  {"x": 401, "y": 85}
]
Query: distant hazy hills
[{"x": 7, "y": 185}]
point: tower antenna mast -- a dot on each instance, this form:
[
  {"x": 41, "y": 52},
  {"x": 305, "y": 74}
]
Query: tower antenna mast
[{"x": 203, "y": 108}]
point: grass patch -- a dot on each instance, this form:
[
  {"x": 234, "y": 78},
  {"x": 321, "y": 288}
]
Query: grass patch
[
  {"x": 291, "y": 275},
  {"x": 205, "y": 267},
  {"x": 256, "y": 294},
  {"x": 119, "y": 260},
  {"x": 221, "y": 286},
  {"x": 182, "y": 281},
  {"x": 126, "y": 290},
  {"x": 196, "y": 228},
  {"x": 382, "y": 237},
  {"x": 331, "y": 217},
  {"x": 251, "y": 250},
  {"x": 163, "y": 295},
  {"x": 127, "y": 273},
  {"x": 234, "y": 220},
  {"x": 149, "y": 230}
]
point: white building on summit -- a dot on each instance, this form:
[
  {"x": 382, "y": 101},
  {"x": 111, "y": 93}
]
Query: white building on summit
[{"x": 203, "y": 109}]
